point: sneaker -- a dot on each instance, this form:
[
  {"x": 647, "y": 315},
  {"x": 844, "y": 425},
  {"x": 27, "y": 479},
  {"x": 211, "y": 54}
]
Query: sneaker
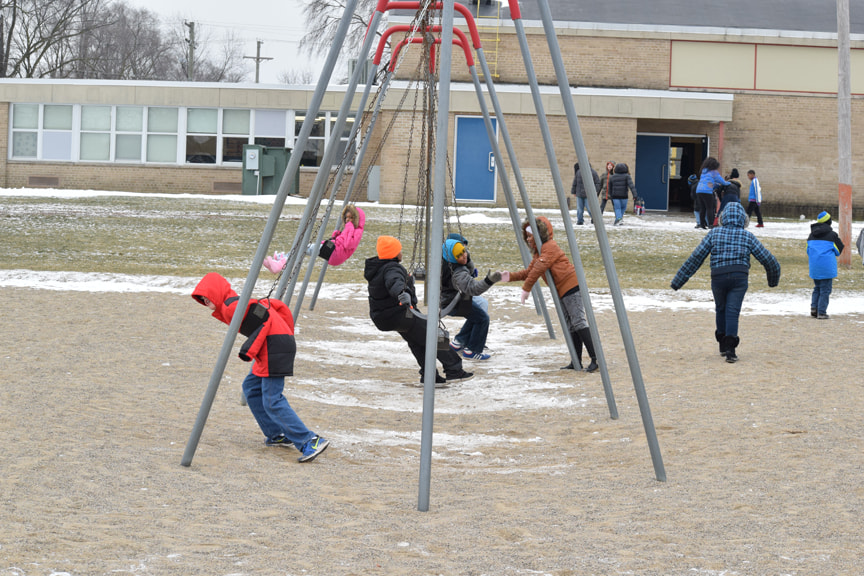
[
  {"x": 616, "y": 223},
  {"x": 468, "y": 355},
  {"x": 461, "y": 376},
  {"x": 279, "y": 440},
  {"x": 313, "y": 448},
  {"x": 731, "y": 357},
  {"x": 438, "y": 379},
  {"x": 456, "y": 345},
  {"x": 760, "y": 225},
  {"x": 823, "y": 317},
  {"x": 813, "y": 312}
]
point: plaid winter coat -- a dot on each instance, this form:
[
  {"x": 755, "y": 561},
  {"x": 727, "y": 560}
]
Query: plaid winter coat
[{"x": 730, "y": 247}]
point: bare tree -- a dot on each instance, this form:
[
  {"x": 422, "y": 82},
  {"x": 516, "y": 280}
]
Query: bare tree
[
  {"x": 322, "y": 21},
  {"x": 296, "y": 77},
  {"x": 219, "y": 60},
  {"x": 39, "y": 36},
  {"x": 129, "y": 46}
]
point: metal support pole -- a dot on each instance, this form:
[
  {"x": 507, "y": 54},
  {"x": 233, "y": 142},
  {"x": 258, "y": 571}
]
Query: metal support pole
[
  {"x": 298, "y": 251},
  {"x": 358, "y": 162},
  {"x": 605, "y": 250},
  {"x": 537, "y": 293},
  {"x": 266, "y": 237},
  {"x": 568, "y": 225},
  {"x": 337, "y": 182},
  {"x": 434, "y": 252}
]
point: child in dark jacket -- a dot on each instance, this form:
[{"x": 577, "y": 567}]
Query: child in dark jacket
[
  {"x": 269, "y": 327},
  {"x": 823, "y": 248},
  {"x": 730, "y": 247},
  {"x": 391, "y": 296},
  {"x": 552, "y": 258},
  {"x": 459, "y": 281}
]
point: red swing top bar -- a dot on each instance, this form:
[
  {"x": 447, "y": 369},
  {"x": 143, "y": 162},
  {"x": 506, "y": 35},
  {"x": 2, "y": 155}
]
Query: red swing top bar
[{"x": 459, "y": 39}]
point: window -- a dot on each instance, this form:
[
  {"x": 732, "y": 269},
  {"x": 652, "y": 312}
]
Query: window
[
  {"x": 129, "y": 133},
  {"x": 57, "y": 132},
  {"x": 324, "y": 124},
  {"x": 270, "y": 127},
  {"x": 162, "y": 134},
  {"x": 235, "y": 133},
  {"x": 675, "y": 155},
  {"x": 25, "y": 134},
  {"x": 95, "y": 141},
  {"x": 201, "y": 139}
]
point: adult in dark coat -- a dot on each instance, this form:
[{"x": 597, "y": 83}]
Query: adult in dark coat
[
  {"x": 391, "y": 296},
  {"x": 577, "y": 189}
]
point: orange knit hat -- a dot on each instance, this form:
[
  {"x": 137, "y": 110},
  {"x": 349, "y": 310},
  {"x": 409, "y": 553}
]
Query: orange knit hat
[{"x": 388, "y": 247}]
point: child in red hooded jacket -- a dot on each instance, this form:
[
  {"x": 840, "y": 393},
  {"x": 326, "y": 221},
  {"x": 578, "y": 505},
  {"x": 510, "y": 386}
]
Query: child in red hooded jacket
[{"x": 269, "y": 326}]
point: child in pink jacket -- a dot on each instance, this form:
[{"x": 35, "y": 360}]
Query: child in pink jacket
[{"x": 345, "y": 241}]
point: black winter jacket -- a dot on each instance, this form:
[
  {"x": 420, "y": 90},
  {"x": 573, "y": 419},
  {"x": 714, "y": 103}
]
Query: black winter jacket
[
  {"x": 620, "y": 182},
  {"x": 387, "y": 279}
]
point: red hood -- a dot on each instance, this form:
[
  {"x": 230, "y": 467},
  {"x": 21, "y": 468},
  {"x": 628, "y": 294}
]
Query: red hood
[{"x": 215, "y": 288}]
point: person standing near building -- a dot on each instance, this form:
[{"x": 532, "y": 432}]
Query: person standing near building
[
  {"x": 709, "y": 177},
  {"x": 823, "y": 248},
  {"x": 578, "y": 190},
  {"x": 603, "y": 191},
  {"x": 755, "y": 199},
  {"x": 619, "y": 183}
]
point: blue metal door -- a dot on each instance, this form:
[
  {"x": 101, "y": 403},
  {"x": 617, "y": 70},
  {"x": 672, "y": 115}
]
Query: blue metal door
[
  {"x": 652, "y": 171},
  {"x": 475, "y": 163}
]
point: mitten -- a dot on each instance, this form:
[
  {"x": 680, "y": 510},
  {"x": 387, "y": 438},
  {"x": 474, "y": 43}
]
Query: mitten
[
  {"x": 405, "y": 299},
  {"x": 505, "y": 276},
  {"x": 524, "y": 296},
  {"x": 492, "y": 277}
]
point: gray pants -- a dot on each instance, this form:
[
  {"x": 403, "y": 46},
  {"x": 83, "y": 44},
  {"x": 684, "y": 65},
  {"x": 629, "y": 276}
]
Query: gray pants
[{"x": 574, "y": 311}]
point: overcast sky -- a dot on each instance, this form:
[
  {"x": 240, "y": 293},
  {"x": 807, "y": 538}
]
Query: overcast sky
[{"x": 278, "y": 23}]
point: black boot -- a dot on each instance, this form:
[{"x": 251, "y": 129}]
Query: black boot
[
  {"x": 577, "y": 346},
  {"x": 585, "y": 334},
  {"x": 731, "y": 343},
  {"x": 721, "y": 337}
]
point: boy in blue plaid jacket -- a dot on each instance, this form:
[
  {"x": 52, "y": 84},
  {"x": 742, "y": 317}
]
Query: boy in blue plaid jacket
[{"x": 730, "y": 247}]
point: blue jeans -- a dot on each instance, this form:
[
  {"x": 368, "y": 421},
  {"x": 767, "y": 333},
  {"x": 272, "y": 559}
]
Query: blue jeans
[
  {"x": 476, "y": 328},
  {"x": 729, "y": 290},
  {"x": 620, "y": 205},
  {"x": 272, "y": 411},
  {"x": 581, "y": 204},
  {"x": 821, "y": 293}
]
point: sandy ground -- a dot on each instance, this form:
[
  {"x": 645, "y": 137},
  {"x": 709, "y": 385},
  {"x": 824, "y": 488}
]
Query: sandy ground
[{"x": 100, "y": 392}]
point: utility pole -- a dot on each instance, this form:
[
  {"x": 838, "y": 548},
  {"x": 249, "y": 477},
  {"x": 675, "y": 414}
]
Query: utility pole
[
  {"x": 190, "y": 59},
  {"x": 844, "y": 130},
  {"x": 258, "y": 58}
]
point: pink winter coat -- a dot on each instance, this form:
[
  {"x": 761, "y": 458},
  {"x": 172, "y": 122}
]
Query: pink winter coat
[{"x": 347, "y": 240}]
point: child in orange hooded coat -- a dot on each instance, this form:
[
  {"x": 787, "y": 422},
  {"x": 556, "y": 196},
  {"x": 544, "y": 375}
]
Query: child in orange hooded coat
[
  {"x": 552, "y": 258},
  {"x": 269, "y": 326}
]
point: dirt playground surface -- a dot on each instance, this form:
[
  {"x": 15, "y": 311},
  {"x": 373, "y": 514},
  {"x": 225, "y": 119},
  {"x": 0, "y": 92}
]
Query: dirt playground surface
[{"x": 763, "y": 458}]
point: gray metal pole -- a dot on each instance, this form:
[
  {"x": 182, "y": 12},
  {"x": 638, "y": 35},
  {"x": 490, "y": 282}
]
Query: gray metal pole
[
  {"x": 537, "y": 293},
  {"x": 605, "y": 250},
  {"x": 434, "y": 251},
  {"x": 358, "y": 162},
  {"x": 304, "y": 233},
  {"x": 266, "y": 237},
  {"x": 568, "y": 225},
  {"x": 337, "y": 182}
]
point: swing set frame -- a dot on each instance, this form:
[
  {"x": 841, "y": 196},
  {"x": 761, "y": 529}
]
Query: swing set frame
[{"x": 448, "y": 38}]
